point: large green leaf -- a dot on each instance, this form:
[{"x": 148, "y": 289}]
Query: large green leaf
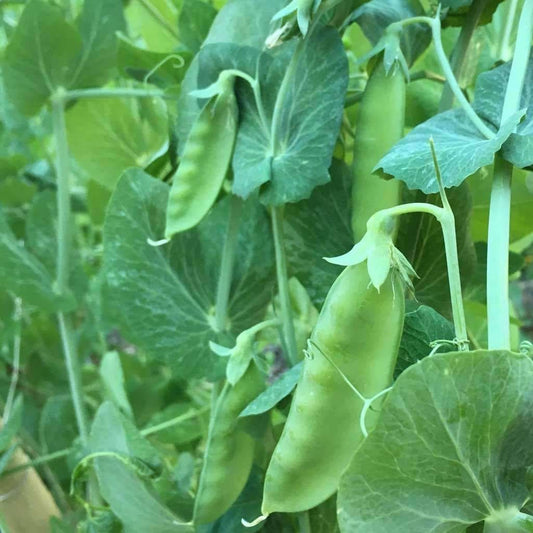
[
  {"x": 280, "y": 149},
  {"x": 317, "y": 228},
  {"x": 194, "y": 22},
  {"x": 420, "y": 239},
  {"x": 461, "y": 150},
  {"x": 452, "y": 446},
  {"x": 459, "y": 10},
  {"x": 162, "y": 298},
  {"x": 25, "y": 276},
  {"x": 129, "y": 497},
  {"x": 107, "y": 136},
  {"x": 98, "y": 23},
  {"x": 490, "y": 92},
  {"x": 46, "y": 52},
  {"x": 39, "y": 56}
]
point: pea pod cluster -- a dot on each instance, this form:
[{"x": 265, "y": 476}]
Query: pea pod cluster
[{"x": 356, "y": 337}]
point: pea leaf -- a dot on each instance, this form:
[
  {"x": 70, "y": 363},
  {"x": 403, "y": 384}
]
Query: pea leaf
[
  {"x": 39, "y": 56},
  {"x": 24, "y": 275},
  {"x": 108, "y": 135},
  {"x": 489, "y": 97},
  {"x": 113, "y": 380},
  {"x": 46, "y": 52},
  {"x": 422, "y": 326},
  {"x": 194, "y": 22},
  {"x": 456, "y": 429},
  {"x": 125, "y": 492},
  {"x": 167, "y": 306},
  {"x": 460, "y": 147},
  {"x": 375, "y": 16},
  {"x": 280, "y": 389},
  {"x": 98, "y": 23},
  {"x": 320, "y": 227},
  {"x": 300, "y": 86}
]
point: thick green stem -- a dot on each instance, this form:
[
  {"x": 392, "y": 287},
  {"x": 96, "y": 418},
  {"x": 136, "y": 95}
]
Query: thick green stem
[
  {"x": 63, "y": 252},
  {"x": 498, "y": 310},
  {"x": 304, "y": 524},
  {"x": 226, "y": 266},
  {"x": 505, "y": 52},
  {"x": 460, "y": 50},
  {"x": 283, "y": 285},
  {"x": 115, "y": 92}
]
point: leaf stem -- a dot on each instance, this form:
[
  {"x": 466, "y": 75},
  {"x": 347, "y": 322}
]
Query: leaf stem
[
  {"x": 174, "y": 421},
  {"x": 498, "y": 311},
  {"x": 228, "y": 260},
  {"x": 460, "y": 50},
  {"x": 116, "y": 92},
  {"x": 39, "y": 461},
  {"x": 63, "y": 252},
  {"x": 304, "y": 523},
  {"x": 283, "y": 285},
  {"x": 434, "y": 24}
]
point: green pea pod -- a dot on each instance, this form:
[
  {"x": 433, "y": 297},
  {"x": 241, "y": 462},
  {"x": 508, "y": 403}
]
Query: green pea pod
[
  {"x": 204, "y": 163},
  {"x": 358, "y": 332},
  {"x": 379, "y": 127},
  {"x": 230, "y": 449}
]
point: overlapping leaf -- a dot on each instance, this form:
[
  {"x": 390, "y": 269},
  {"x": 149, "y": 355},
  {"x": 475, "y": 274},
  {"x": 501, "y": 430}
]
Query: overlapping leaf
[
  {"x": 162, "y": 299},
  {"x": 452, "y": 446}
]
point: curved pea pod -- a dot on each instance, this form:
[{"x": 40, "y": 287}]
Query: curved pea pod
[
  {"x": 230, "y": 449},
  {"x": 204, "y": 162},
  {"x": 379, "y": 127},
  {"x": 358, "y": 332}
]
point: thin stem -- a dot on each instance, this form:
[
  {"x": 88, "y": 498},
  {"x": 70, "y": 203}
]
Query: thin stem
[
  {"x": 39, "y": 461},
  {"x": 74, "y": 376},
  {"x": 174, "y": 421},
  {"x": 16, "y": 361},
  {"x": 434, "y": 24},
  {"x": 283, "y": 285},
  {"x": 454, "y": 85},
  {"x": 159, "y": 18},
  {"x": 460, "y": 50},
  {"x": 445, "y": 216},
  {"x": 63, "y": 252},
  {"x": 226, "y": 267},
  {"x": 498, "y": 310},
  {"x": 118, "y": 92}
]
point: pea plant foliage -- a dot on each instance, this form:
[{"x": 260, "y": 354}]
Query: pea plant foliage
[{"x": 265, "y": 266}]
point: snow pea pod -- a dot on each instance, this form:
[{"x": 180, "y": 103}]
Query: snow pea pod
[
  {"x": 230, "y": 449},
  {"x": 358, "y": 333},
  {"x": 204, "y": 162},
  {"x": 380, "y": 124}
]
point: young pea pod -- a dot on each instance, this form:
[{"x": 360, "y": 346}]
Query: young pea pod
[
  {"x": 230, "y": 449},
  {"x": 205, "y": 161},
  {"x": 379, "y": 126},
  {"x": 358, "y": 333}
]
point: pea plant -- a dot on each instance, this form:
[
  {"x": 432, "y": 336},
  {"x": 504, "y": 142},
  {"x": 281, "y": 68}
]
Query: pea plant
[{"x": 266, "y": 265}]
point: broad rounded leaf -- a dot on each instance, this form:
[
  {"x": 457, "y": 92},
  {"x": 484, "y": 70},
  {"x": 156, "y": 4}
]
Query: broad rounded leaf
[{"x": 452, "y": 445}]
